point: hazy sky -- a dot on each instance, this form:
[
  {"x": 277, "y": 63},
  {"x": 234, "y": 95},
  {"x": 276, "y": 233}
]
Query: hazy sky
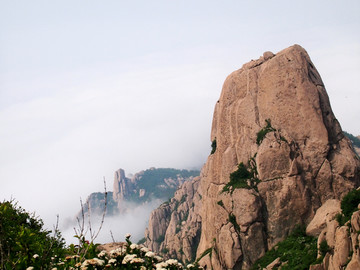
[{"x": 88, "y": 87}]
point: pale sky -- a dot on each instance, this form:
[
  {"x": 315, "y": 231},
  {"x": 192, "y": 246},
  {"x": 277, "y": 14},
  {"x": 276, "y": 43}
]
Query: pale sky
[{"x": 88, "y": 87}]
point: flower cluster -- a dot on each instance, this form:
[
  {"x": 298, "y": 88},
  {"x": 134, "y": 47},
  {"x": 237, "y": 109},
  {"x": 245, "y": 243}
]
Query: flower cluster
[{"x": 128, "y": 256}]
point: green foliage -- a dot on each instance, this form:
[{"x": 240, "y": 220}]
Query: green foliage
[
  {"x": 160, "y": 239},
  {"x": 350, "y": 202},
  {"x": 183, "y": 198},
  {"x": 24, "y": 241},
  {"x": 238, "y": 179},
  {"x": 355, "y": 141},
  {"x": 213, "y": 146},
  {"x": 221, "y": 203},
  {"x": 341, "y": 219},
  {"x": 243, "y": 177},
  {"x": 206, "y": 252},
  {"x": 298, "y": 250},
  {"x": 152, "y": 179},
  {"x": 262, "y": 133},
  {"x": 141, "y": 241},
  {"x": 232, "y": 220},
  {"x": 324, "y": 248}
]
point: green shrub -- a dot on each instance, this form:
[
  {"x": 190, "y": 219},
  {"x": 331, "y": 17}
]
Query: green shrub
[
  {"x": 24, "y": 241},
  {"x": 221, "y": 203},
  {"x": 324, "y": 248},
  {"x": 341, "y": 219},
  {"x": 350, "y": 202},
  {"x": 243, "y": 177},
  {"x": 160, "y": 239},
  {"x": 141, "y": 241},
  {"x": 213, "y": 146},
  {"x": 298, "y": 250},
  {"x": 262, "y": 133},
  {"x": 232, "y": 220}
]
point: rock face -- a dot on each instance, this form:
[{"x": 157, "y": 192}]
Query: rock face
[
  {"x": 174, "y": 227},
  {"x": 274, "y": 118},
  {"x": 343, "y": 243}
]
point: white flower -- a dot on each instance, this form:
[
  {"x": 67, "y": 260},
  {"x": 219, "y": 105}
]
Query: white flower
[
  {"x": 128, "y": 258},
  {"x": 30, "y": 268},
  {"x": 144, "y": 249},
  {"x": 94, "y": 261},
  {"x": 137, "y": 260},
  {"x": 190, "y": 266},
  {"x": 172, "y": 262},
  {"x": 102, "y": 254},
  {"x": 158, "y": 258},
  {"x": 35, "y": 256},
  {"x": 117, "y": 252},
  {"x": 112, "y": 261},
  {"x": 134, "y": 246},
  {"x": 142, "y": 267},
  {"x": 128, "y": 235},
  {"x": 54, "y": 268},
  {"x": 161, "y": 265},
  {"x": 150, "y": 254}
]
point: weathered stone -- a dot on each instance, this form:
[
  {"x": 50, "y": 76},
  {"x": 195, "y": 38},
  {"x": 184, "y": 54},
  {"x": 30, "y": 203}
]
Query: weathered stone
[
  {"x": 275, "y": 263},
  {"x": 355, "y": 221},
  {"x": 325, "y": 213}
]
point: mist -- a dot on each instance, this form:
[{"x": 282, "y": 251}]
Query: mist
[{"x": 114, "y": 228}]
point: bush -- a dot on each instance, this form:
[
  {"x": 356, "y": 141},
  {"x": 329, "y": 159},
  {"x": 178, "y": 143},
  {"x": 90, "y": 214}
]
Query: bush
[
  {"x": 350, "y": 202},
  {"x": 324, "y": 248},
  {"x": 298, "y": 250},
  {"x": 262, "y": 133},
  {"x": 213, "y": 146},
  {"x": 24, "y": 241},
  {"x": 243, "y": 177}
]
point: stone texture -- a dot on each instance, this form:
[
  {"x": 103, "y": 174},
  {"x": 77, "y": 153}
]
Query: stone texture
[
  {"x": 344, "y": 244},
  {"x": 323, "y": 215},
  {"x": 174, "y": 227},
  {"x": 303, "y": 161}
]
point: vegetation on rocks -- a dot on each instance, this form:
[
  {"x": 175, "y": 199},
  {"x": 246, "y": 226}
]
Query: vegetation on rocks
[
  {"x": 355, "y": 140},
  {"x": 297, "y": 251},
  {"x": 262, "y": 133},
  {"x": 213, "y": 146},
  {"x": 349, "y": 205},
  {"x": 243, "y": 177}
]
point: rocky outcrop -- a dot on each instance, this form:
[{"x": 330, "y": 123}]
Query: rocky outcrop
[
  {"x": 343, "y": 244},
  {"x": 122, "y": 186},
  {"x": 278, "y": 138},
  {"x": 174, "y": 227},
  {"x": 142, "y": 188}
]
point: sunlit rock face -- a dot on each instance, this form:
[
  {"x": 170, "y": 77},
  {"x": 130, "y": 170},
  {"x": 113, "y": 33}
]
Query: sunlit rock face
[{"x": 274, "y": 116}]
